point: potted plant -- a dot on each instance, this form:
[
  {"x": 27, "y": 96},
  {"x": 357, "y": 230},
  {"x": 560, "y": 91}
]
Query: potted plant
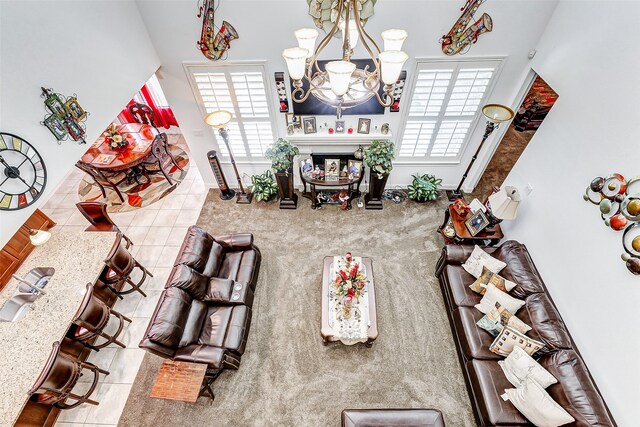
[
  {"x": 424, "y": 188},
  {"x": 378, "y": 156},
  {"x": 281, "y": 155},
  {"x": 263, "y": 186}
]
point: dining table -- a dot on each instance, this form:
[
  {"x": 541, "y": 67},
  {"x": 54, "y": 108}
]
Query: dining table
[{"x": 140, "y": 140}]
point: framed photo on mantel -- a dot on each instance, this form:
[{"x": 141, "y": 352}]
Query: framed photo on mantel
[{"x": 331, "y": 169}]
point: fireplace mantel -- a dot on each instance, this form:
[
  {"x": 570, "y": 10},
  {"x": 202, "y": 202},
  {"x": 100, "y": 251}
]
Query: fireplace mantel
[{"x": 336, "y": 139}]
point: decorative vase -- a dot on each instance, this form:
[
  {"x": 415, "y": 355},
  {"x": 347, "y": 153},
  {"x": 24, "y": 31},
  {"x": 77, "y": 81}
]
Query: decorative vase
[
  {"x": 286, "y": 192},
  {"x": 373, "y": 199}
]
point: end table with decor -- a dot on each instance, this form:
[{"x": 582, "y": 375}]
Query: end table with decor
[{"x": 454, "y": 230}]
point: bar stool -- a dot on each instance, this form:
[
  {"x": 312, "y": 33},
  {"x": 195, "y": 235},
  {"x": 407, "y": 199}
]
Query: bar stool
[
  {"x": 119, "y": 266},
  {"x": 58, "y": 378},
  {"x": 96, "y": 214},
  {"x": 91, "y": 320}
]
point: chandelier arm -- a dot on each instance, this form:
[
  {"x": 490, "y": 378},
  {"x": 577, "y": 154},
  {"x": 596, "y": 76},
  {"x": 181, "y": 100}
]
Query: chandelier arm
[
  {"x": 387, "y": 95},
  {"x": 376, "y": 62},
  {"x": 346, "y": 40},
  {"x": 323, "y": 43},
  {"x": 299, "y": 96},
  {"x": 362, "y": 31}
]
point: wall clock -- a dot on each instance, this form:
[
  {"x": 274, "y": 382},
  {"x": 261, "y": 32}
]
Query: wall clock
[{"x": 23, "y": 174}]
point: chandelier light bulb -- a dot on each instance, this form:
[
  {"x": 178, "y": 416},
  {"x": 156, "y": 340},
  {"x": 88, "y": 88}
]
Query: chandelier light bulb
[
  {"x": 340, "y": 76},
  {"x": 394, "y": 39},
  {"x": 296, "y": 58},
  {"x": 307, "y": 39},
  {"x": 391, "y": 63},
  {"x": 354, "y": 36}
]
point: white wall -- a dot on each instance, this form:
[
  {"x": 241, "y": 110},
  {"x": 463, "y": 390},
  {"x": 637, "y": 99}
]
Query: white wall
[
  {"x": 99, "y": 50},
  {"x": 591, "y": 131},
  {"x": 266, "y": 28}
]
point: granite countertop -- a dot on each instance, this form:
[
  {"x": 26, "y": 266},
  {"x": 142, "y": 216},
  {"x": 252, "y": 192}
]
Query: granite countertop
[{"x": 25, "y": 345}]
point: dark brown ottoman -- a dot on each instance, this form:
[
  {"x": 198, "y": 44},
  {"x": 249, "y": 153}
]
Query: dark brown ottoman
[{"x": 392, "y": 417}]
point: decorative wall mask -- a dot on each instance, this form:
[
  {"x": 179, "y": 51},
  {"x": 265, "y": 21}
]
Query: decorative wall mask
[
  {"x": 461, "y": 36},
  {"x": 619, "y": 202},
  {"x": 214, "y": 44},
  {"x": 67, "y": 116},
  {"x": 325, "y": 13}
]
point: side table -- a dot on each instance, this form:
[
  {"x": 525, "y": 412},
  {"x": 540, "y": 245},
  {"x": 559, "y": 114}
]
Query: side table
[{"x": 460, "y": 234}]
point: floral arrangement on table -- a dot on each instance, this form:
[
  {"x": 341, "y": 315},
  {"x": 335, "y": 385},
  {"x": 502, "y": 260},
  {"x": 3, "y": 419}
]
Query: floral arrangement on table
[
  {"x": 114, "y": 138},
  {"x": 349, "y": 283}
]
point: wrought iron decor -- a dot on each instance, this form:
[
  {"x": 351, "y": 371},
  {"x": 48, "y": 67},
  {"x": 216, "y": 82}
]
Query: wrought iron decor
[
  {"x": 619, "y": 202},
  {"x": 67, "y": 118},
  {"x": 213, "y": 45},
  {"x": 461, "y": 36}
]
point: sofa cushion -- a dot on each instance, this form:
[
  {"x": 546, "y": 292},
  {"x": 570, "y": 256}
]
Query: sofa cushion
[
  {"x": 546, "y": 324},
  {"x": 495, "y": 295},
  {"x": 488, "y": 276},
  {"x": 575, "y": 390},
  {"x": 193, "y": 325},
  {"x": 519, "y": 366},
  {"x": 241, "y": 266},
  {"x": 212, "y": 356},
  {"x": 510, "y": 338},
  {"x": 214, "y": 260},
  {"x": 189, "y": 280},
  {"x": 219, "y": 289},
  {"x": 459, "y": 292},
  {"x": 473, "y": 340},
  {"x": 215, "y": 326},
  {"x": 536, "y": 404},
  {"x": 170, "y": 317},
  {"x": 195, "y": 249},
  {"x": 495, "y": 320},
  {"x": 236, "y": 339},
  {"x": 520, "y": 269}
]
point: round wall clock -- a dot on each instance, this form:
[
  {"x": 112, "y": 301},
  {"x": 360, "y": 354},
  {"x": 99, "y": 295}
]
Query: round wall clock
[{"x": 23, "y": 174}]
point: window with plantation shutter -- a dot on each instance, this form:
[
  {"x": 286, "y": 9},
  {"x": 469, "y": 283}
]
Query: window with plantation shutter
[
  {"x": 445, "y": 102},
  {"x": 241, "y": 90}
]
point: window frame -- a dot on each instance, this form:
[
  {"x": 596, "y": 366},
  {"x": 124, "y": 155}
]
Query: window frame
[
  {"x": 423, "y": 63},
  {"x": 229, "y": 67}
]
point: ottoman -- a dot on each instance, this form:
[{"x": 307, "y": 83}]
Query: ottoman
[{"x": 392, "y": 417}]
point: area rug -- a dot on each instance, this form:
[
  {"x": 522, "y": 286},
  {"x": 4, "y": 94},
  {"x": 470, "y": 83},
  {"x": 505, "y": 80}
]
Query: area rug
[
  {"x": 137, "y": 195},
  {"x": 287, "y": 377}
]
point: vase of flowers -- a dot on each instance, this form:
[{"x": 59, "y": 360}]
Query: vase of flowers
[
  {"x": 114, "y": 138},
  {"x": 349, "y": 284}
]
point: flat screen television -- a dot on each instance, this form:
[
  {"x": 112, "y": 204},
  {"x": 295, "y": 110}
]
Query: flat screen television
[{"x": 314, "y": 107}]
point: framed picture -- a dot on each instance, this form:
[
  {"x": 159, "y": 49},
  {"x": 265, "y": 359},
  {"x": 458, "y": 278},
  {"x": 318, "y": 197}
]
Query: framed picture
[
  {"x": 339, "y": 126},
  {"x": 77, "y": 112},
  {"x": 331, "y": 169},
  {"x": 309, "y": 125},
  {"x": 75, "y": 130},
  {"x": 476, "y": 223},
  {"x": 355, "y": 169},
  {"x": 364, "y": 125},
  {"x": 289, "y": 118},
  {"x": 55, "y": 126},
  {"x": 306, "y": 166},
  {"x": 55, "y": 105}
]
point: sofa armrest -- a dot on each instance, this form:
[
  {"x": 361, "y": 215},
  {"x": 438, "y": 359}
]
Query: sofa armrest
[
  {"x": 228, "y": 292},
  {"x": 235, "y": 241}
]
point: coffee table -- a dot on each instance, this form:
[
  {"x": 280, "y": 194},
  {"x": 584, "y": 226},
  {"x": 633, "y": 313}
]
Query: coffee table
[
  {"x": 326, "y": 331},
  {"x": 183, "y": 381}
]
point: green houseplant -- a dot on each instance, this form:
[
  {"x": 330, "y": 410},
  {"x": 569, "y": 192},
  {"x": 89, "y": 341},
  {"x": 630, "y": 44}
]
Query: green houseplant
[
  {"x": 379, "y": 157},
  {"x": 281, "y": 155},
  {"x": 263, "y": 186},
  {"x": 424, "y": 188}
]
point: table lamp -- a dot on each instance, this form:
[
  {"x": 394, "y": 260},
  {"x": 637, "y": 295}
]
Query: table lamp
[
  {"x": 503, "y": 204},
  {"x": 219, "y": 120}
]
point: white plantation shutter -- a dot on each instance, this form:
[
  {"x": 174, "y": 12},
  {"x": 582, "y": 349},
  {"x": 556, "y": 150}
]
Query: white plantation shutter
[
  {"x": 241, "y": 90},
  {"x": 445, "y": 102}
]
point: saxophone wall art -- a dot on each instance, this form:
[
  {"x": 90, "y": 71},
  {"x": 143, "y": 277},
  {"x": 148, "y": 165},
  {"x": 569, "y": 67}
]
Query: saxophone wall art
[
  {"x": 213, "y": 45},
  {"x": 461, "y": 36}
]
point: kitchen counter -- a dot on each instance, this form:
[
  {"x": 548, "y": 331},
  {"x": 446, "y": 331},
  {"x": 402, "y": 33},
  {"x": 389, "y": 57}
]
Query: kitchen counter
[{"x": 25, "y": 345}]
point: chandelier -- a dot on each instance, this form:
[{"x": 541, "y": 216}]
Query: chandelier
[{"x": 342, "y": 84}]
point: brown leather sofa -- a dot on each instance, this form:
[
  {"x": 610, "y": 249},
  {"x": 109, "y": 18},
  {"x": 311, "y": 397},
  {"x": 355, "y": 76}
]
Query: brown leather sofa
[
  {"x": 392, "y": 417},
  {"x": 204, "y": 313},
  {"x": 575, "y": 391}
]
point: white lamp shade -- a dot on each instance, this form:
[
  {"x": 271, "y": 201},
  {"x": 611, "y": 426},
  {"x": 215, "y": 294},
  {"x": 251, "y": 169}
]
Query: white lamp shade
[
  {"x": 218, "y": 119},
  {"x": 504, "y": 203},
  {"x": 393, "y": 39},
  {"x": 497, "y": 113},
  {"x": 296, "y": 59},
  {"x": 391, "y": 62},
  {"x": 307, "y": 39},
  {"x": 39, "y": 237},
  {"x": 354, "y": 36},
  {"x": 340, "y": 76}
]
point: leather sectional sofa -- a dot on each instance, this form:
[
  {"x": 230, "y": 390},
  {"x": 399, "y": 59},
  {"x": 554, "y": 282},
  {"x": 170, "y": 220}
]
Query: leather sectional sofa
[
  {"x": 575, "y": 390},
  {"x": 204, "y": 313}
]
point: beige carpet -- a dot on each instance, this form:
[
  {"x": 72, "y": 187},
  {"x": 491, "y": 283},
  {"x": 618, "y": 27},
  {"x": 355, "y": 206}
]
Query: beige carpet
[{"x": 287, "y": 377}]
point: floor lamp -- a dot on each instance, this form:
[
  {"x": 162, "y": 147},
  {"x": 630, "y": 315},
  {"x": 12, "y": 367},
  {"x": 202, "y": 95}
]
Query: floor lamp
[
  {"x": 495, "y": 114},
  {"x": 219, "y": 120}
]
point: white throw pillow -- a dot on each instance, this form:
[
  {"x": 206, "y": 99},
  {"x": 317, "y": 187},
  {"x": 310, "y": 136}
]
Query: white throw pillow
[
  {"x": 494, "y": 295},
  {"x": 479, "y": 258},
  {"x": 536, "y": 404},
  {"x": 519, "y": 367}
]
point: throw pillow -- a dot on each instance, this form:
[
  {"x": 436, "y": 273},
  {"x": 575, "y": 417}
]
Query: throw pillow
[
  {"x": 518, "y": 367},
  {"x": 535, "y": 403},
  {"x": 494, "y": 295},
  {"x": 488, "y": 276},
  {"x": 479, "y": 258},
  {"x": 510, "y": 338},
  {"x": 495, "y": 320}
]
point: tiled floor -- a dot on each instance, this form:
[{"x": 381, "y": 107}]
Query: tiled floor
[{"x": 157, "y": 232}]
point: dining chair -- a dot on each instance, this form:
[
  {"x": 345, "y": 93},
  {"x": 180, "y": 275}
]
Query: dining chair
[
  {"x": 58, "y": 378},
  {"x": 160, "y": 159},
  {"x": 92, "y": 319},
  {"x": 142, "y": 113},
  {"x": 104, "y": 178},
  {"x": 119, "y": 266},
  {"x": 96, "y": 213}
]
